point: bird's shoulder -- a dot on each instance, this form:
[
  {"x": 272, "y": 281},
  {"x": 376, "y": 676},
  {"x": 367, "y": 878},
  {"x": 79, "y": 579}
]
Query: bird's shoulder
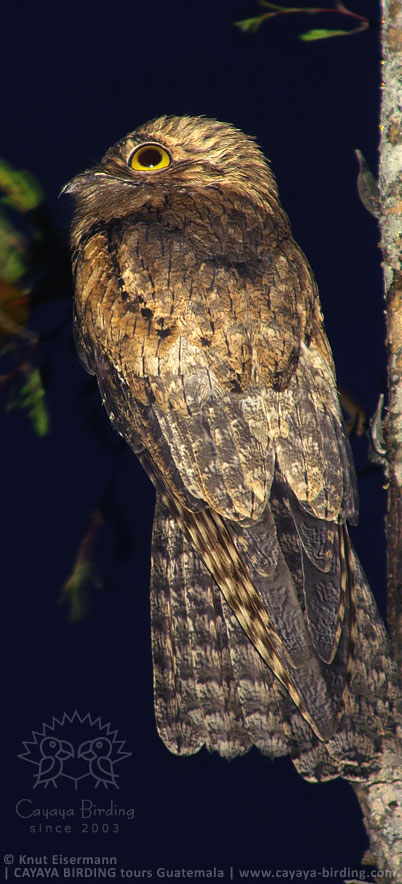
[{"x": 142, "y": 289}]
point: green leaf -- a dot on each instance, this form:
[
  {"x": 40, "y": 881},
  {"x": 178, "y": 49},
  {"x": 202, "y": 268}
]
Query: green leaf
[
  {"x": 35, "y": 402},
  {"x": 278, "y": 8},
  {"x": 31, "y": 397},
  {"x": 13, "y": 263},
  {"x": 251, "y": 25},
  {"x": 22, "y": 190},
  {"x": 321, "y": 34},
  {"x": 75, "y": 590}
]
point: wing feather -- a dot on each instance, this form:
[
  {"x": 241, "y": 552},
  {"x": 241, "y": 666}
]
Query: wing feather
[
  {"x": 196, "y": 693},
  {"x": 293, "y": 638},
  {"x": 305, "y": 424}
]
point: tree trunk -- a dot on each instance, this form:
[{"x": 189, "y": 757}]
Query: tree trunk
[{"x": 381, "y": 799}]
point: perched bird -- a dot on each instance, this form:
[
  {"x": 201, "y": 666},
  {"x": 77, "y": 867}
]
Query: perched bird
[
  {"x": 54, "y": 752},
  {"x": 200, "y": 317},
  {"x": 97, "y": 752}
]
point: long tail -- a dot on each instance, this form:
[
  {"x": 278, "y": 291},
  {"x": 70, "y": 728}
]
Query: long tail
[{"x": 213, "y": 688}]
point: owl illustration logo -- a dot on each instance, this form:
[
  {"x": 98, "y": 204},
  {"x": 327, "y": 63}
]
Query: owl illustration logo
[
  {"x": 74, "y": 749},
  {"x": 53, "y": 754},
  {"x": 98, "y": 753}
]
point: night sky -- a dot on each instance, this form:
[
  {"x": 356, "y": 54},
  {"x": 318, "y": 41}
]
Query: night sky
[{"x": 74, "y": 81}]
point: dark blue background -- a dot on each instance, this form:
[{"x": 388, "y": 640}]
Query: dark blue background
[{"x": 75, "y": 80}]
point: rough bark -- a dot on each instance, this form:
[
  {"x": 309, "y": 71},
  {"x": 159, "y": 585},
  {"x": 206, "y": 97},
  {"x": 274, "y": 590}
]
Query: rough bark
[
  {"x": 391, "y": 232},
  {"x": 381, "y": 799},
  {"x": 381, "y": 804}
]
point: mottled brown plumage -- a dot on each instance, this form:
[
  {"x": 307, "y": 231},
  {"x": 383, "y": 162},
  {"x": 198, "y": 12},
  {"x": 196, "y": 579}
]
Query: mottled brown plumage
[{"x": 200, "y": 316}]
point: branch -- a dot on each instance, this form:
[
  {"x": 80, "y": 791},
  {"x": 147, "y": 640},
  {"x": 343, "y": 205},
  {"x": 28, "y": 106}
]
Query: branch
[{"x": 252, "y": 25}]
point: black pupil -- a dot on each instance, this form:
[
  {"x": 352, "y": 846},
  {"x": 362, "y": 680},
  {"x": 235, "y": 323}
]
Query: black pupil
[{"x": 150, "y": 156}]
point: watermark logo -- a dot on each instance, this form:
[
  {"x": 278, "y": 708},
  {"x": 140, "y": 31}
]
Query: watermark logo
[{"x": 77, "y": 750}]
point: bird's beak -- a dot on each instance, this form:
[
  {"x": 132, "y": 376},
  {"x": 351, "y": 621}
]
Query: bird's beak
[
  {"x": 91, "y": 176},
  {"x": 76, "y": 184},
  {"x": 85, "y": 751},
  {"x": 66, "y": 750}
]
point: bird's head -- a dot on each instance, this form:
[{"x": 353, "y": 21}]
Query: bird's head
[
  {"x": 86, "y": 751},
  {"x": 182, "y": 154},
  {"x": 61, "y": 749},
  {"x": 91, "y": 749}
]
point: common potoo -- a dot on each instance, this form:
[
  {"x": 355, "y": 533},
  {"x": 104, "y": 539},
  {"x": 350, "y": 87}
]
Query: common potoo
[{"x": 200, "y": 317}]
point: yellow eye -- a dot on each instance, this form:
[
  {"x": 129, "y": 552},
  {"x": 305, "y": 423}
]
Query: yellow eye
[{"x": 150, "y": 158}]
